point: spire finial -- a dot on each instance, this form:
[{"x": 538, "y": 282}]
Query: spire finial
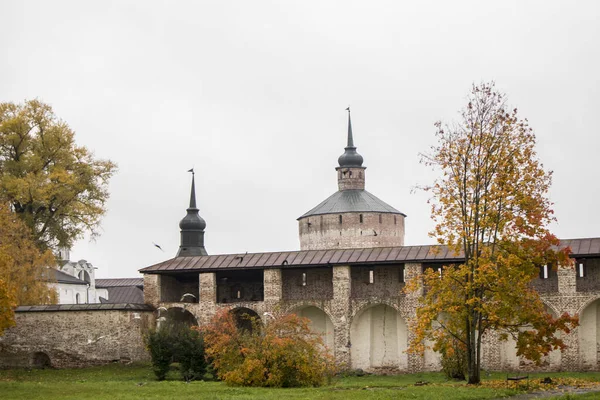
[
  {"x": 350, "y": 138},
  {"x": 193, "y": 193}
]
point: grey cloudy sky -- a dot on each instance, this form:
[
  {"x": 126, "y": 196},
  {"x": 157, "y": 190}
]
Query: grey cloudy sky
[{"x": 252, "y": 94}]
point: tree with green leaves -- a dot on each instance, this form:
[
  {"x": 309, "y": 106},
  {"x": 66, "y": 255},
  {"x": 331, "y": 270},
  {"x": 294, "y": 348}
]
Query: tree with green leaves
[
  {"x": 490, "y": 205},
  {"x": 59, "y": 189}
]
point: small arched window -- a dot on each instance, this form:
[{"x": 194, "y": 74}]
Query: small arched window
[
  {"x": 77, "y": 298},
  {"x": 380, "y": 218},
  {"x": 340, "y": 219},
  {"x": 361, "y": 218},
  {"x": 395, "y": 220}
]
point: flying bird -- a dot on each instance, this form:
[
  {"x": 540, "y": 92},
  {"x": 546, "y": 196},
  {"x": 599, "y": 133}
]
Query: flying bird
[
  {"x": 374, "y": 233},
  {"x": 158, "y": 247}
]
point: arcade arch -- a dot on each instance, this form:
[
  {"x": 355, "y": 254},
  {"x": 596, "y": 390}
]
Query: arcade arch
[
  {"x": 320, "y": 323},
  {"x": 379, "y": 339}
]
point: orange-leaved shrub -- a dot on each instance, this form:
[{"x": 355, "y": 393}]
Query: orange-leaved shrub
[{"x": 283, "y": 352}]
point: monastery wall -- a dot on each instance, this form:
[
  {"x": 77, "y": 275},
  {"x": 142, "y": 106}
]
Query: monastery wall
[
  {"x": 70, "y": 339},
  {"x": 364, "y": 316}
]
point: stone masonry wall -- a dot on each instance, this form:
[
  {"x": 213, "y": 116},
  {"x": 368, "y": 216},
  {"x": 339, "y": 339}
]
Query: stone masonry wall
[
  {"x": 76, "y": 338},
  {"x": 324, "y": 232},
  {"x": 319, "y": 284}
]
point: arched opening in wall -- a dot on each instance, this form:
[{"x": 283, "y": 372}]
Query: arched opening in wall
[
  {"x": 246, "y": 319},
  {"x": 379, "y": 339},
  {"x": 177, "y": 317},
  {"x": 319, "y": 323},
  {"x": 77, "y": 298},
  {"x": 41, "y": 360},
  {"x": 589, "y": 335},
  {"x": 510, "y": 361},
  {"x": 84, "y": 276}
]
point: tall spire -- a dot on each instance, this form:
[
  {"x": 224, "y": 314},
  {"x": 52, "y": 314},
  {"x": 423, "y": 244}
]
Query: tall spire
[
  {"x": 350, "y": 139},
  {"x": 192, "y": 228},
  {"x": 193, "y": 194},
  {"x": 350, "y": 158}
]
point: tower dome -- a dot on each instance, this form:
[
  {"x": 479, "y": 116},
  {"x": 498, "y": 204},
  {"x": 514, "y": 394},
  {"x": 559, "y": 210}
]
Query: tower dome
[{"x": 350, "y": 158}]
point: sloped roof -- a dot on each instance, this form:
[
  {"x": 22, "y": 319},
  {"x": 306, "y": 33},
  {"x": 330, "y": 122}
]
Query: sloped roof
[
  {"x": 119, "y": 282},
  {"x": 351, "y": 200},
  {"x": 124, "y": 294},
  {"x": 307, "y": 258},
  {"x": 63, "y": 277},
  {"x": 589, "y": 247}
]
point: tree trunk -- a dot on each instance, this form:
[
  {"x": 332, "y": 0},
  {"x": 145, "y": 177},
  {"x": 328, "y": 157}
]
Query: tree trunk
[{"x": 474, "y": 378}]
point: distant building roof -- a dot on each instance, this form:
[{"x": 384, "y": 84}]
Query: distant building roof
[
  {"x": 119, "y": 282},
  {"x": 351, "y": 200},
  {"x": 589, "y": 247},
  {"x": 124, "y": 294},
  {"x": 63, "y": 277}
]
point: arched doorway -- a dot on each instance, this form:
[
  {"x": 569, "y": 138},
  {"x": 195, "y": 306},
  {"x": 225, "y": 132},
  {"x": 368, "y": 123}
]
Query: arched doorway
[
  {"x": 176, "y": 317},
  {"x": 589, "y": 335},
  {"x": 319, "y": 323},
  {"x": 40, "y": 360},
  {"x": 379, "y": 339},
  {"x": 246, "y": 319}
]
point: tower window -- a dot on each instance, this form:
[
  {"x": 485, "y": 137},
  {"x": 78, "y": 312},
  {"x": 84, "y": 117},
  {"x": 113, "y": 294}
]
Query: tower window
[
  {"x": 380, "y": 218},
  {"x": 360, "y": 175},
  {"x": 361, "y": 218},
  {"x": 350, "y": 173},
  {"x": 340, "y": 219},
  {"x": 581, "y": 272},
  {"x": 544, "y": 272},
  {"x": 395, "y": 220}
]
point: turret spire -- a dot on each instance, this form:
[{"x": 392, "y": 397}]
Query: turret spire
[
  {"x": 350, "y": 139},
  {"x": 193, "y": 194},
  {"x": 192, "y": 228},
  {"x": 350, "y": 158}
]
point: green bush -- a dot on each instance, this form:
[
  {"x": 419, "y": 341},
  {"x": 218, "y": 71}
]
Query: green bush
[
  {"x": 159, "y": 344},
  {"x": 181, "y": 344},
  {"x": 188, "y": 349}
]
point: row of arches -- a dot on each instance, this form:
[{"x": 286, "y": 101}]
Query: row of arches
[{"x": 379, "y": 337}]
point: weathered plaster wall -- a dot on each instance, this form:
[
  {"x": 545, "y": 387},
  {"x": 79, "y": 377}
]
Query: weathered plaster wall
[
  {"x": 76, "y": 338},
  {"x": 321, "y": 232}
]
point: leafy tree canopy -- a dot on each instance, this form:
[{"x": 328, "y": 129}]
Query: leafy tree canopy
[
  {"x": 56, "y": 187},
  {"x": 491, "y": 205},
  {"x": 24, "y": 269}
]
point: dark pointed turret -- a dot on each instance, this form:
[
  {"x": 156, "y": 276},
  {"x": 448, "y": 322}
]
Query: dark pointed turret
[
  {"x": 192, "y": 228},
  {"x": 350, "y": 158}
]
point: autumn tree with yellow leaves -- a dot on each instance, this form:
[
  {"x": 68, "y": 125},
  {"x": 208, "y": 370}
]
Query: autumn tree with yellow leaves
[
  {"x": 491, "y": 206},
  {"x": 56, "y": 187},
  {"x": 24, "y": 269}
]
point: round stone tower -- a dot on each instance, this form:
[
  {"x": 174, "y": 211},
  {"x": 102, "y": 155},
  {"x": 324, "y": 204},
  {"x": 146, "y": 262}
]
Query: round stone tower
[{"x": 351, "y": 217}]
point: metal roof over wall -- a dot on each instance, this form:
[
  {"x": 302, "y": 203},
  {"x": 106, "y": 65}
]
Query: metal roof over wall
[{"x": 319, "y": 258}]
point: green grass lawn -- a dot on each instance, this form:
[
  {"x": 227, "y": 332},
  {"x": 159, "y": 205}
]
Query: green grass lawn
[{"x": 137, "y": 382}]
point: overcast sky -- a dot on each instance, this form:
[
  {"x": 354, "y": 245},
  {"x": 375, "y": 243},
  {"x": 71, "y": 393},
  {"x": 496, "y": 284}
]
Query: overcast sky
[{"x": 252, "y": 95}]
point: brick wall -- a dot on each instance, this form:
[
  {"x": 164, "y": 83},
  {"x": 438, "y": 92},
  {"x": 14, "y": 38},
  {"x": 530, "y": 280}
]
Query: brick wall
[
  {"x": 326, "y": 232},
  {"x": 319, "y": 284}
]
